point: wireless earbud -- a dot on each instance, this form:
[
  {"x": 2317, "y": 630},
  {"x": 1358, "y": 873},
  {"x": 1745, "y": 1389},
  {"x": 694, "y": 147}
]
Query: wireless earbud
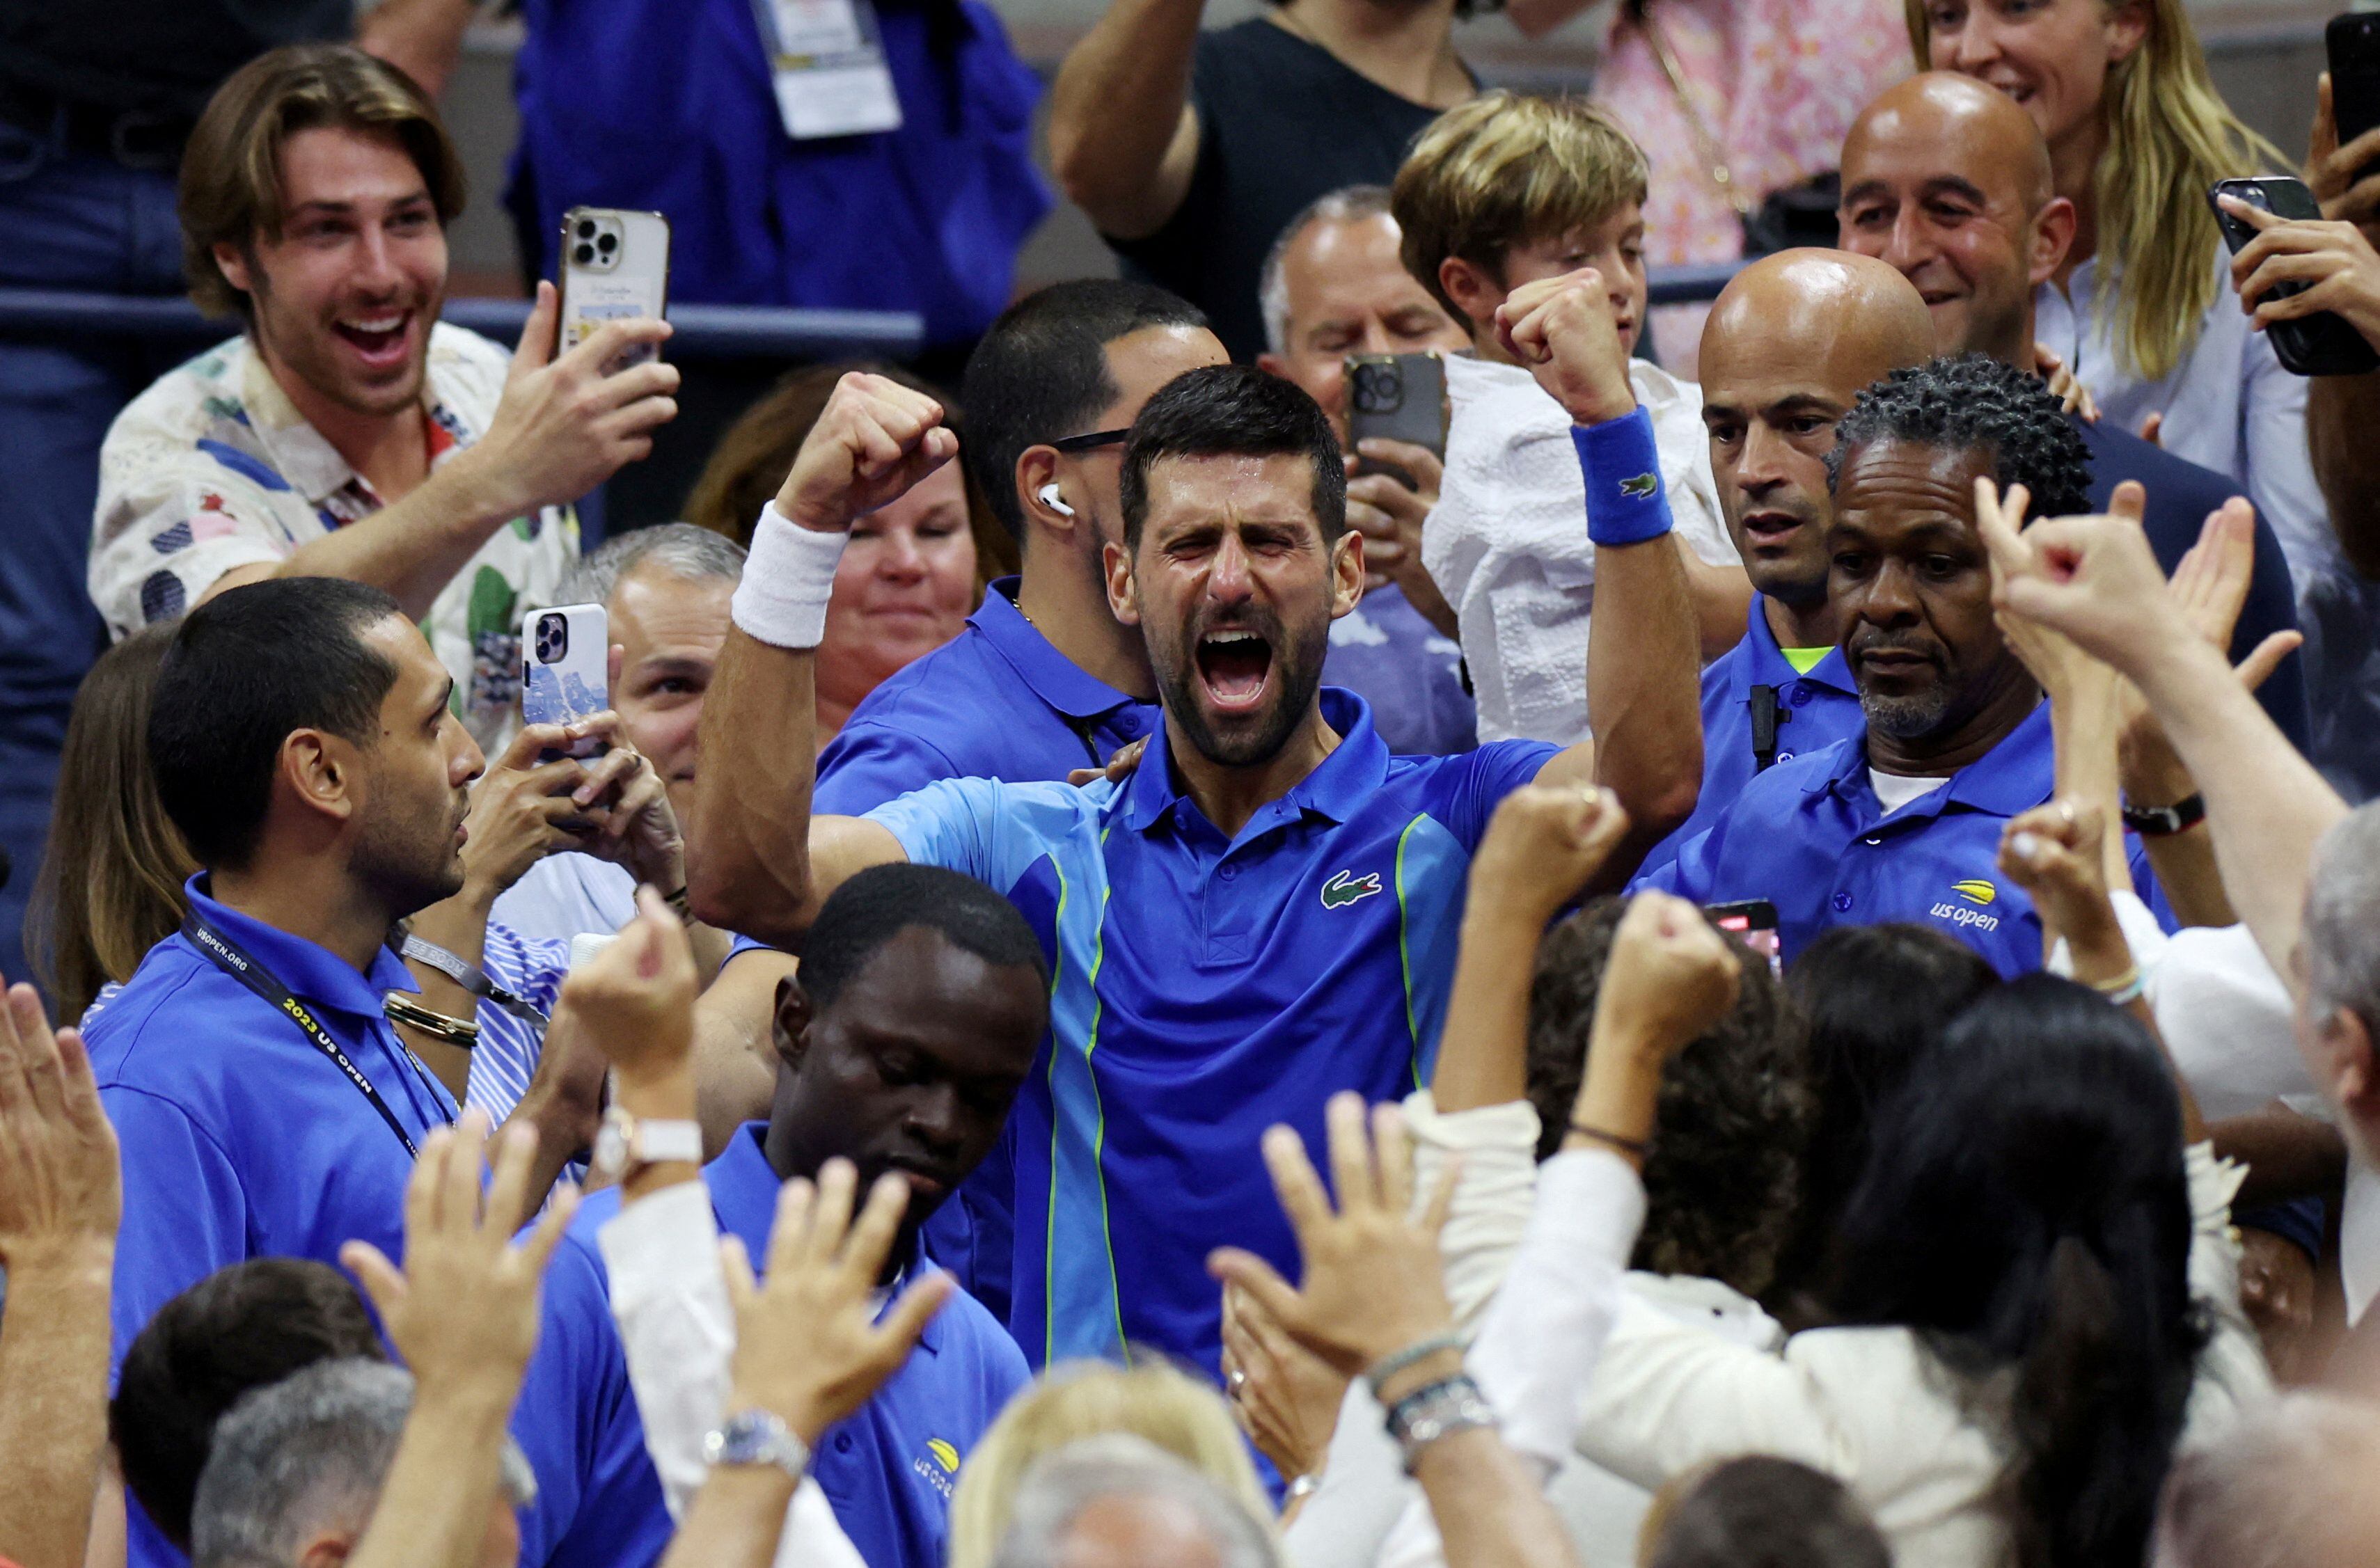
[{"x": 1048, "y": 495}]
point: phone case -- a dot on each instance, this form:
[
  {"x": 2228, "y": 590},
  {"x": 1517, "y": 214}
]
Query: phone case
[
  {"x": 615, "y": 266},
  {"x": 2323, "y": 344},
  {"x": 1396, "y": 398},
  {"x": 566, "y": 667},
  {"x": 2353, "y": 41}
]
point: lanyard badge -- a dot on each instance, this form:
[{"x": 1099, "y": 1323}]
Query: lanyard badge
[{"x": 826, "y": 61}]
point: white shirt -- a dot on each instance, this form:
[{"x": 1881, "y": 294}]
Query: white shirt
[
  {"x": 567, "y": 895},
  {"x": 679, "y": 1330},
  {"x": 1507, "y": 541},
  {"x": 213, "y": 468}
]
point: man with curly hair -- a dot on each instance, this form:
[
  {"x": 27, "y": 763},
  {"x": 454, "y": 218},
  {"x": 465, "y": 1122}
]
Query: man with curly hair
[{"x": 1902, "y": 821}]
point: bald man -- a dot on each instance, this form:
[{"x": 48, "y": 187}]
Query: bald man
[
  {"x": 1786, "y": 347},
  {"x": 1949, "y": 181}
]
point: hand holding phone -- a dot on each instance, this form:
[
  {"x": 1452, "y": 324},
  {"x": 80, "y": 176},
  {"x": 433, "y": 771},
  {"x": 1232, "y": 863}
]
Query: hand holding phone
[
  {"x": 614, "y": 267},
  {"x": 2317, "y": 342},
  {"x": 2353, "y": 41},
  {"x": 1396, "y": 398},
  {"x": 566, "y": 669}
]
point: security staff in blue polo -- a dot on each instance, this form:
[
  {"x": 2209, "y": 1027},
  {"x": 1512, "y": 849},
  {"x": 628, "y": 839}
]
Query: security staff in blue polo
[
  {"x": 1265, "y": 912},
  {"x": 1788, "y": 346},
  {"x": 304, "y": 745},
  {"x": 1903, "y": 822},
  {"x": 900, "y": 1047}
]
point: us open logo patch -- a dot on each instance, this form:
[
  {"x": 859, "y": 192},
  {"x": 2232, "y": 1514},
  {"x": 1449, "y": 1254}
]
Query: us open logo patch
[{"x": 1975, "y": 894}]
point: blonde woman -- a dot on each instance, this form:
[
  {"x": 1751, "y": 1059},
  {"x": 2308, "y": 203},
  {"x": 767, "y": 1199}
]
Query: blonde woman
[
  {"x": 1079, "y": 1398},
  {"x": 2140, "y": 311}
]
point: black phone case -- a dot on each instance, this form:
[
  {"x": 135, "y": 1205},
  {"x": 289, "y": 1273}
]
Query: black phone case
[
  {"x": 2353, "y": 41},
  {"x": 2321, "y": 345}
]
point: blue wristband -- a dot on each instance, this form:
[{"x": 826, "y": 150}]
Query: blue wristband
[{"x": 1626, "y": 503}]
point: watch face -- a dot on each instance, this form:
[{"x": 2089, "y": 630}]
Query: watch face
[{"x": 610, "y": 1148}]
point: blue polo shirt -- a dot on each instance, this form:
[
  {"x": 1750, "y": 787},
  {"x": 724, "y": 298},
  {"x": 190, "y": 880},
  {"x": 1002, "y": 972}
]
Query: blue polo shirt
[
  {"x": 997, "y": 701},
  {"x": 1811, "y": 837},
  {"x": 1812, "y": 711},
  {"x": 240, "y": 1139},
  {"x": 883, "y": 1467},
  {"x": 1201, "y": 989}
]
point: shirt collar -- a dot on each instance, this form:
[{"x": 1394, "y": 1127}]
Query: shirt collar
[
  {"x": 1054, "y": 678},
  {"x": 1764, "y": 662},
  {"x": 1335, "y": 790},
  {"x": 312, "y": 972},
  {"x": 2014, "y": 776},
  {"x": 744, "y": 1190},
  {"x": 298, "y": 452}
]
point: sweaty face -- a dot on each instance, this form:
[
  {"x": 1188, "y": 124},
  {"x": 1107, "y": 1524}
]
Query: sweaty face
[
  {"x": 670, "y": 629},
  {"x": 1234, "y": 589},
  {"x": 1914, "y": 585},
  {"x": 1349, "y": 294},
  {"x": 1614, "y": 246},
  {"x": 1138, "y": 363},
  {"x": 2052, "y": 56},
  {"x": 416, "y": 778},
  {"x": 345, "y": 295},
  {"x": 1950, "y": 215},
  {"x": 911, "y": 1069},
  {"x": 904, "y": 587},
  {"x": 1770, "y": 407}
]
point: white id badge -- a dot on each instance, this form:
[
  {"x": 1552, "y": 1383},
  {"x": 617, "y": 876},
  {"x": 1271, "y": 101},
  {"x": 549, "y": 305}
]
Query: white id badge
[{"x": 828, "y": 68}]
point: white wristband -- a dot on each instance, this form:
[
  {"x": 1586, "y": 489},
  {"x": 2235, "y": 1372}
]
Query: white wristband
[{"x": 789, "y": 575}]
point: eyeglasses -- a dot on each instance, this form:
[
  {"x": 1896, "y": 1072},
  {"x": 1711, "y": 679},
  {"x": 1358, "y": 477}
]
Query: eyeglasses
[{"x": 1095, "y": 439}]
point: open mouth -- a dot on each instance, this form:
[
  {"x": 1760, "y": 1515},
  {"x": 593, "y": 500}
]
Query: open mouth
[
  {"x": 1771, "y": 528},
  {"x": 380, "y": 340},
  {"x": 1234, "y": 666}
]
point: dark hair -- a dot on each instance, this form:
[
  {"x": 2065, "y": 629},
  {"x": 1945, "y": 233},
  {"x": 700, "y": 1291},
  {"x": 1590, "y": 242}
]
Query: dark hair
[
  {"x": 2026, "y": 1211},
  {"x": 1040, "y": 374},
  {"x": 883, "y": 901},
  {"x": 1240, "y": 411},
  {"x": 242, "y": 1327},
  {"x": 248, "y": 667},
  {"x": 1733, "y": 1114},
  {"x": 1971, "y": 401},
  {"x": 1763, "y": 1512},
  {"x": 748, "y": 467},
  {"x": 110, "y": 886},
  {"x": 1875, "y": 996}
]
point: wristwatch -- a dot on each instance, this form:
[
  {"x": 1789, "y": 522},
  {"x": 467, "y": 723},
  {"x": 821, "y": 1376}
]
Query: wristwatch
[
  {"x": 2164, "y": 821},
  {"x": 755, "y": 1437},
  {"x": 626, "y": 1143}
]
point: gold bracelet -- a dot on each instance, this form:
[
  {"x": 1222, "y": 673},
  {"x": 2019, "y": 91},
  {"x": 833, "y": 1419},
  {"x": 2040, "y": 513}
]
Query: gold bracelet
[{"x": 463, "y": 1032}]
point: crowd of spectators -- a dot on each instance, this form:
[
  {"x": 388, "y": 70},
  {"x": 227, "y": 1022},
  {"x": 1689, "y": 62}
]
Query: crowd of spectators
[{"x": 1766, "y": 956}]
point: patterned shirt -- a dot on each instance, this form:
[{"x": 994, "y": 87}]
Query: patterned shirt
[{"x": 213, "y": 468}]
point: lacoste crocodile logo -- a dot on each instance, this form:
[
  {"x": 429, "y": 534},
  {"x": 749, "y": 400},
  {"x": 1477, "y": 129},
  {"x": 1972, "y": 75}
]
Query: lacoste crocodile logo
[
  {"x": 1343, "y": 888},
  {"x": 1641, "y": 488}
]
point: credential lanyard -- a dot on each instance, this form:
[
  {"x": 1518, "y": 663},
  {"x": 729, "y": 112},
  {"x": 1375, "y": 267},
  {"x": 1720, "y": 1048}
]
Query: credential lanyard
[{"x": 235, "y": 961}]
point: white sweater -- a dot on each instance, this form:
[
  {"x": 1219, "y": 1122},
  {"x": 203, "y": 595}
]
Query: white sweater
[{"x": 1507, "y": 541}]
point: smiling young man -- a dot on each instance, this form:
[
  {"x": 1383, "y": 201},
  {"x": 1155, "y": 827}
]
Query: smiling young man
[
  {"x": 1501, "y": 193},
  {"x": 347, "y": 432},
  {"x": 1785, "y": 350},
  {"x": 1264, "y": 912},
  {"x": 1903, "y": 820}
]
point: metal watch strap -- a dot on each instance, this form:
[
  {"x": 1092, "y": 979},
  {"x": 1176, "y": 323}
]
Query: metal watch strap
[
  {"x": 471, "y": 977},
  {"x": 755, "y": 1437},
  {"x": 1440, "y": 1410}
]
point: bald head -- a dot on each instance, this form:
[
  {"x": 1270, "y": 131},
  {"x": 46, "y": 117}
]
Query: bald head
[
  {"x": 1788, "y": 345},
  {"x": 1950, "y": 181}
]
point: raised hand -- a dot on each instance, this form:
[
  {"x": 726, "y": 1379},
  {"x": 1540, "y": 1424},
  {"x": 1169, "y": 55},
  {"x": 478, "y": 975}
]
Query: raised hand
[
  {"x": 2334, "y": 260},
  {"x": 1566, "y": 330},
  {"x": 1670, "y": 978},
  {"x": 634, "y": 824},
  {"x": 1373, "y": 1284},
  {"x": 809, "y": 1346},
  {"x": 634, "y": 1001},
  {"x": 2093, "y": 579},
  {"x": 874, "y": 439},
  {"x": 463, "y": 1311},
  {"x": 1285, "y": 1397},
  {"x": 1545, "y": 843},
  {"x": 61, "y": 1189},
  {"x": 2056, "y": 853},
  {"x": 523, "y": 810}
]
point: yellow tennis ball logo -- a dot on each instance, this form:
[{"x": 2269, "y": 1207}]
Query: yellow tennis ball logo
[
  {"x": 944, "y": 1454},
  {"x": 1975, "y": 891}
]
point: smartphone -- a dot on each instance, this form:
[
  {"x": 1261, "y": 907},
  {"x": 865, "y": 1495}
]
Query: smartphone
[
  {"x": 1754, "y": 919},
  {"x": 614, "y": 266},
  {"x": 1396, "y": 398},
  {"x": 565, "y": 670},
  {"x": 2321, "y": 345},
  {"x": 2353, "y": 41}
]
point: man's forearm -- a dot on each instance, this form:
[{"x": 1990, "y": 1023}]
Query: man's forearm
[
  {"x": 460, "y": 926},
  {"x": 413, "y": 547},
  {"x": 1483, "y": 1054},
  {"x": 1117, "y": 110},
  {"x": 2265, "y": 805},
  {"x": 421, "y": 38},
  {"x": 442, "y": 1485},
  {"x": 735, "y": 1519},
  {"x": 2342, "y": 412},
  {"x": 1644, "y": 692},
  {"x": 1491, "y": 1511},
  {"x": 748, "y": 857},
  {"x": 1721, "y": 597},
  {"x": 53, "y": 1346}
]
